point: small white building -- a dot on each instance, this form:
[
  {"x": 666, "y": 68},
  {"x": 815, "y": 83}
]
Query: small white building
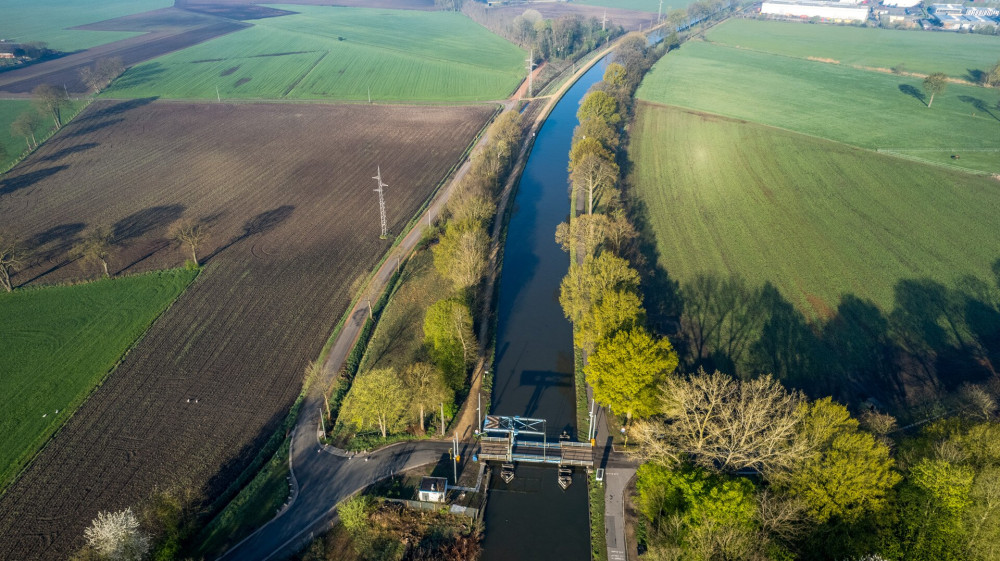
[
  {"x": 825, "y": 10},
  {"x": 984, "y": 12},
  {"x": 900, "y": 3},
  {"x": 433, "y": 489}
]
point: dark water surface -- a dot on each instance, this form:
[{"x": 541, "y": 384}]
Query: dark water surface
[{"x": 532, "y": 518}]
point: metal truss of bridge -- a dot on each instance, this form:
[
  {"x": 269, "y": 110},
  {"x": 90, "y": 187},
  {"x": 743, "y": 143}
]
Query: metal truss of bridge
[{"x": 510, "y": 448}]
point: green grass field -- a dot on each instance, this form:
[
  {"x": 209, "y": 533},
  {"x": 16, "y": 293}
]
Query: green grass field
[
  {"x": 48, "y": 20},
  {"x": 15, "y": 145},
  {"x": 957, "y": 55},
  {"x": 817, "y": 219},
  {"x": 339, "y": 53},
  {"x": 60, "y": 342},
  {"x": 869, "y": 109}
]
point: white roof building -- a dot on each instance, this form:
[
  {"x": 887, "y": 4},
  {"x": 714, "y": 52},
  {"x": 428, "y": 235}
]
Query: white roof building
[
  {"x": 826, "y": 10},
  {"x": 940, "y": 9},
  {"x": 901, "y": 3}
]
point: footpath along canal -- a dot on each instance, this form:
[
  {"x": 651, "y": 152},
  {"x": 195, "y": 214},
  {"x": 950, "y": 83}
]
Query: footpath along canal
[{"x": 532, "y": 518}]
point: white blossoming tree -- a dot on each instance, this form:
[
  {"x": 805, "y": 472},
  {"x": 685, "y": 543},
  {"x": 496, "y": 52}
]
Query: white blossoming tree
[{"x": 116, "y": 536}]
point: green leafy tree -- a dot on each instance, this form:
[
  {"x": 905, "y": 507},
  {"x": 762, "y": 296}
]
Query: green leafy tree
[
  {"x": 615, "y": 75},
  {"x": 694, "y": 514},
  {"x": 596, "y": 129},
  {"x": 626, "y": 370},
  {"x": 377, "y": 399},
  {"x": 599, "y": 105},
  {"x": 585, "y": 147},
  {"x": 427, "y": 389},
  {"x": 450, "y": 340},
  {"x": 935, "y": 501},
  {"x": 847, "y": 474},
  {"x": 935, "y": 84},
  {"x": 618, "y": 310},
  {"x": 52, "y": 100},
  {"x": 587, "y": 283}
]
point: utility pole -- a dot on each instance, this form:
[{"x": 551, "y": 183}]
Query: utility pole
[
  {"x": 381, "y": 202},
  {"x": 479, "y": 412},
  {"x": 604, "y": 20},
  {"x": 218, "y": 97},
  {"x": 442, "y": 418},
  {"x": 370, "y": 88},
  {"x": 659, "y": 13},
  {"x": 454, "y": 457},
  {"x": 531, "y": 66}
]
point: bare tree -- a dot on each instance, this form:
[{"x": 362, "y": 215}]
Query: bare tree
[
  {"x": 620, "y": 230},
  {"x": 116, "y": 536},
  {"x": 781, "y": 516},
  {"x": 190, "y": 233},
  {"x": 24, "y": 126},
  {"x": 427, "y": 388},
  {"x": 50, "y": 99},
  {"x": 979, "y": 400},
  {"x": 594, "y": 175},
  {"x": 13, "y": 256},
  {"x": 103, "y": 72},
  {"x": 724, "y": 424},
  {"x": 584, "y": 234},
  {"x": 96, "y": 247}
]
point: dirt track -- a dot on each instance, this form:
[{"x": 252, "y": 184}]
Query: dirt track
[{"x": 293, "y": 224}]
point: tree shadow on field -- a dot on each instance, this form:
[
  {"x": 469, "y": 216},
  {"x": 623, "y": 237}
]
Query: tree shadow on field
[
  {"x": 140, "y": 223},
  {"x": 50, "y": 248},
  {"x": 260, "y": 224},
  {"x": 979, "y": 104},
  {"x": 93, "y": 127},
  {"x": 913, "y": 92},
  {"x": 70, "y": 150},
  {"x": 975, "y": 75},
  {"x": 11, "y": 184},
  {"x": 119, "y": 108},
  {"x": 934, "y": 339},
  {"x": 139, "y": 76}
]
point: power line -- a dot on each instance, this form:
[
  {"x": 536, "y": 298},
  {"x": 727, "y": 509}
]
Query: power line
[{"x": 381, "y": 202}]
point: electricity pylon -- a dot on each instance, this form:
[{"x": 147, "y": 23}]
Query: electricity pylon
[{"x": 381, "y": 202}]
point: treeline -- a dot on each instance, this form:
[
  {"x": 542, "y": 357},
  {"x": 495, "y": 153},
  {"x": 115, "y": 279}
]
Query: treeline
[
  {"x": 744, "y": 469},
  {"x": 600, "y": 293},
  {"x": 390, "y": 401},
  {"x": 29, "y": 51},
  {"x": 564, "y": 37}
]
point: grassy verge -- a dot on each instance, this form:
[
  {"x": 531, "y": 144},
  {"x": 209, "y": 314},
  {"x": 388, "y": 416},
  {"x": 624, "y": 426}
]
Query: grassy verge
[
  {"x": 254, "y": 506},
  {"x": 60, "y": 343},
  {"x": 598, "y": 539}
]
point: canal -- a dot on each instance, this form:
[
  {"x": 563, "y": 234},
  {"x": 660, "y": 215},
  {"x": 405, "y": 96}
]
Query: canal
[{"x": 532, "y": 518}]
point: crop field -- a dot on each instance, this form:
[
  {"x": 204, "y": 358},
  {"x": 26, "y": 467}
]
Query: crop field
[
  {"x": 292, "y": 224},
  {"x": 868, "y": 109},
  {"x": 339, "y": 53},
  {"x": 60, "y": 342},
  {"x": 957, "y": 55},
  {"x": 817, "y": 219},
  {"x": 51, "y": 21}
]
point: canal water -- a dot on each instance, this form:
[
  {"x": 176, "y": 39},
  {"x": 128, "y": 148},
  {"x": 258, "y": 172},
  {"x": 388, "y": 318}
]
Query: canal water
[{"x": 532, "y": 518}]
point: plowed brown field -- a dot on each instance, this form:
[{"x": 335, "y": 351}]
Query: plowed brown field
[{"x": 293, "y": 223}]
